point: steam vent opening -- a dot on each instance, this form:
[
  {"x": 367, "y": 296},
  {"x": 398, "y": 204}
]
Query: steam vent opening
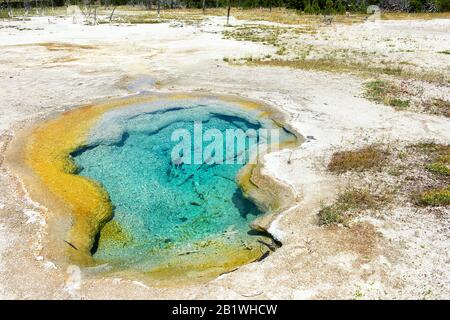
[{"x": 169, "y": 174}]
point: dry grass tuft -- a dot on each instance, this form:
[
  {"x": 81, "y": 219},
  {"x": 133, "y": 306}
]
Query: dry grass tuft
[
  {"x": 387, "y": 93},
  {"x": 361, "y": 238},
  {"x": 438, "y": 158},
  {"x": 357, "y": 160},
  {"x": 357, "y": 68},
  {"x": 438, "y": 106},
  {"x": 348, "y": 203},
  {"x": 61, "y": 46},
  {"x": 414, "y": 15},
  {"x": 65, "y": 59},
  {"x": 412, "y": 175},
  {"x": 435, "y": 197}
]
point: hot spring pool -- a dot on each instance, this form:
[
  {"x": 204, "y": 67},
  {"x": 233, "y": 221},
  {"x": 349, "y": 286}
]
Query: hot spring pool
[{"x": 171, "y": 216}]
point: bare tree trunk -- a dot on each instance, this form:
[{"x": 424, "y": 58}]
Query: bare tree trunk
[
  {"x": 112, "y": 13},
  {"x": 10, "y": 10},
  {"x": 26, "y": 6},
  {"x": 89, "y": 8},
  {"x": 228, "y": 12},
  {"x": 203, "y": 6},
  {"x": 159, "y": 7}
]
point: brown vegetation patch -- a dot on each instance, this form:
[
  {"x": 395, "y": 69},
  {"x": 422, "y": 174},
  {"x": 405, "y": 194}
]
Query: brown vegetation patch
[
  {"x": 436, "y": 164},
  {"x": 435, "y": 197},
  {"x": 358, "y": 68},
  {"x": 387, "y": 93},
  {"x": 414, "y": 15},
  {"x": 402, "y": 95},
  {"x": 62, "y": 46},
  {"x": 412, "y": 175},
  {"x": 64, "y": 59},
  {"x": 350, "y": 203},
  {"x": 360, "y": 238},
  {"x": 438, "y": 106},
  {"x": 357, "y": 160}
]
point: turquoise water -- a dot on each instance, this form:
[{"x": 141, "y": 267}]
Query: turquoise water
[{"x": 166, "y": 208}]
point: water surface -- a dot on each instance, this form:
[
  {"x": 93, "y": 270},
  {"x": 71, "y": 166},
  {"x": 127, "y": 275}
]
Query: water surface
[{"x": 164, "y": 209}]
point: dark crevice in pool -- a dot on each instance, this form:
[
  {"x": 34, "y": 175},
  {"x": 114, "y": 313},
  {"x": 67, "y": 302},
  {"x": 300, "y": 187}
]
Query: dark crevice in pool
[
  {"x": 95, "y": 244},
  {"x": 243, "y": 205},
  {"x": 123, "y": 139},
  {"x": 266, "y": 234},
  {"x": 81, "y": 150}
]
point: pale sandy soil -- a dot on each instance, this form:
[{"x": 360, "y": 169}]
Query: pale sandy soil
[{"x": 393, "y": 255}]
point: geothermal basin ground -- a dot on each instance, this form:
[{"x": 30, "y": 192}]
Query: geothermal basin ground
[{"x": 367, "y": 211}]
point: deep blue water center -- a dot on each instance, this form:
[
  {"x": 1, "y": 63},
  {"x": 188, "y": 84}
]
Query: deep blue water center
[{"x": 163, "y": 208}]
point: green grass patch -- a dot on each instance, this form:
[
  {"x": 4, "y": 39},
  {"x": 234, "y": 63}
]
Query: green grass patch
[
  {"x": 414, "y": 15},
  {"x": 439, "y": 165},
  {"x": 439, "y": 157},
  {"x": 268, "y": 35},
  {"x": 331, "y": 215},
  {"x": 337, "y": 65},
  {"x": 439, "y": 168},
  {"x": 399, "y": 104},
  {"x": 438, "y": 106},
  {"x": 350, "y": 199},
  {"x": 436, "y": 197},
  {"x": 385, "y": 92},
  {"x": 432, "y": 149}
]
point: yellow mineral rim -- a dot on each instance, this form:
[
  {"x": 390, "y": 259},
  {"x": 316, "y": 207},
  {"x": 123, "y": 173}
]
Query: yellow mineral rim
[{"x": 46, "y": 151}]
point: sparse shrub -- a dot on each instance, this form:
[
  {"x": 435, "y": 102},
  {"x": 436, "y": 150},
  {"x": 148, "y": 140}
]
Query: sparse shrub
[
  {"x": 357, "y": 199},
  {"x": 439, "y": 156},
  {"x": 329, "y": 7},
  {"x": 443, "y": 5},
  {"x": 415, "y": 5},
  {"x": 357, "y": 160},
  {"x": 349, "y": 200},
  {"x": 398, "y": 103},
  {"x": 281, "y": 50},
  {"x": 295, "y": 4},
  {"x": 436, "y": 197},
  {"x": 439, "y": 168},
  {"x": 441, "y": 159},
  {"x": 393, "y": 71},
  {"x": 330, "y": 215},
  {"x": 430, "y": 148},
  {"x": 375, "y": 89},
  {"x": 315, "y": 8},
  {"x": 438, "y": 106},
  {"x": 309, "y": 9},
  {"x": 385, "y": 92},
  {"x": 340, "y": 8},
  {"x": 362, "y": 7}
]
